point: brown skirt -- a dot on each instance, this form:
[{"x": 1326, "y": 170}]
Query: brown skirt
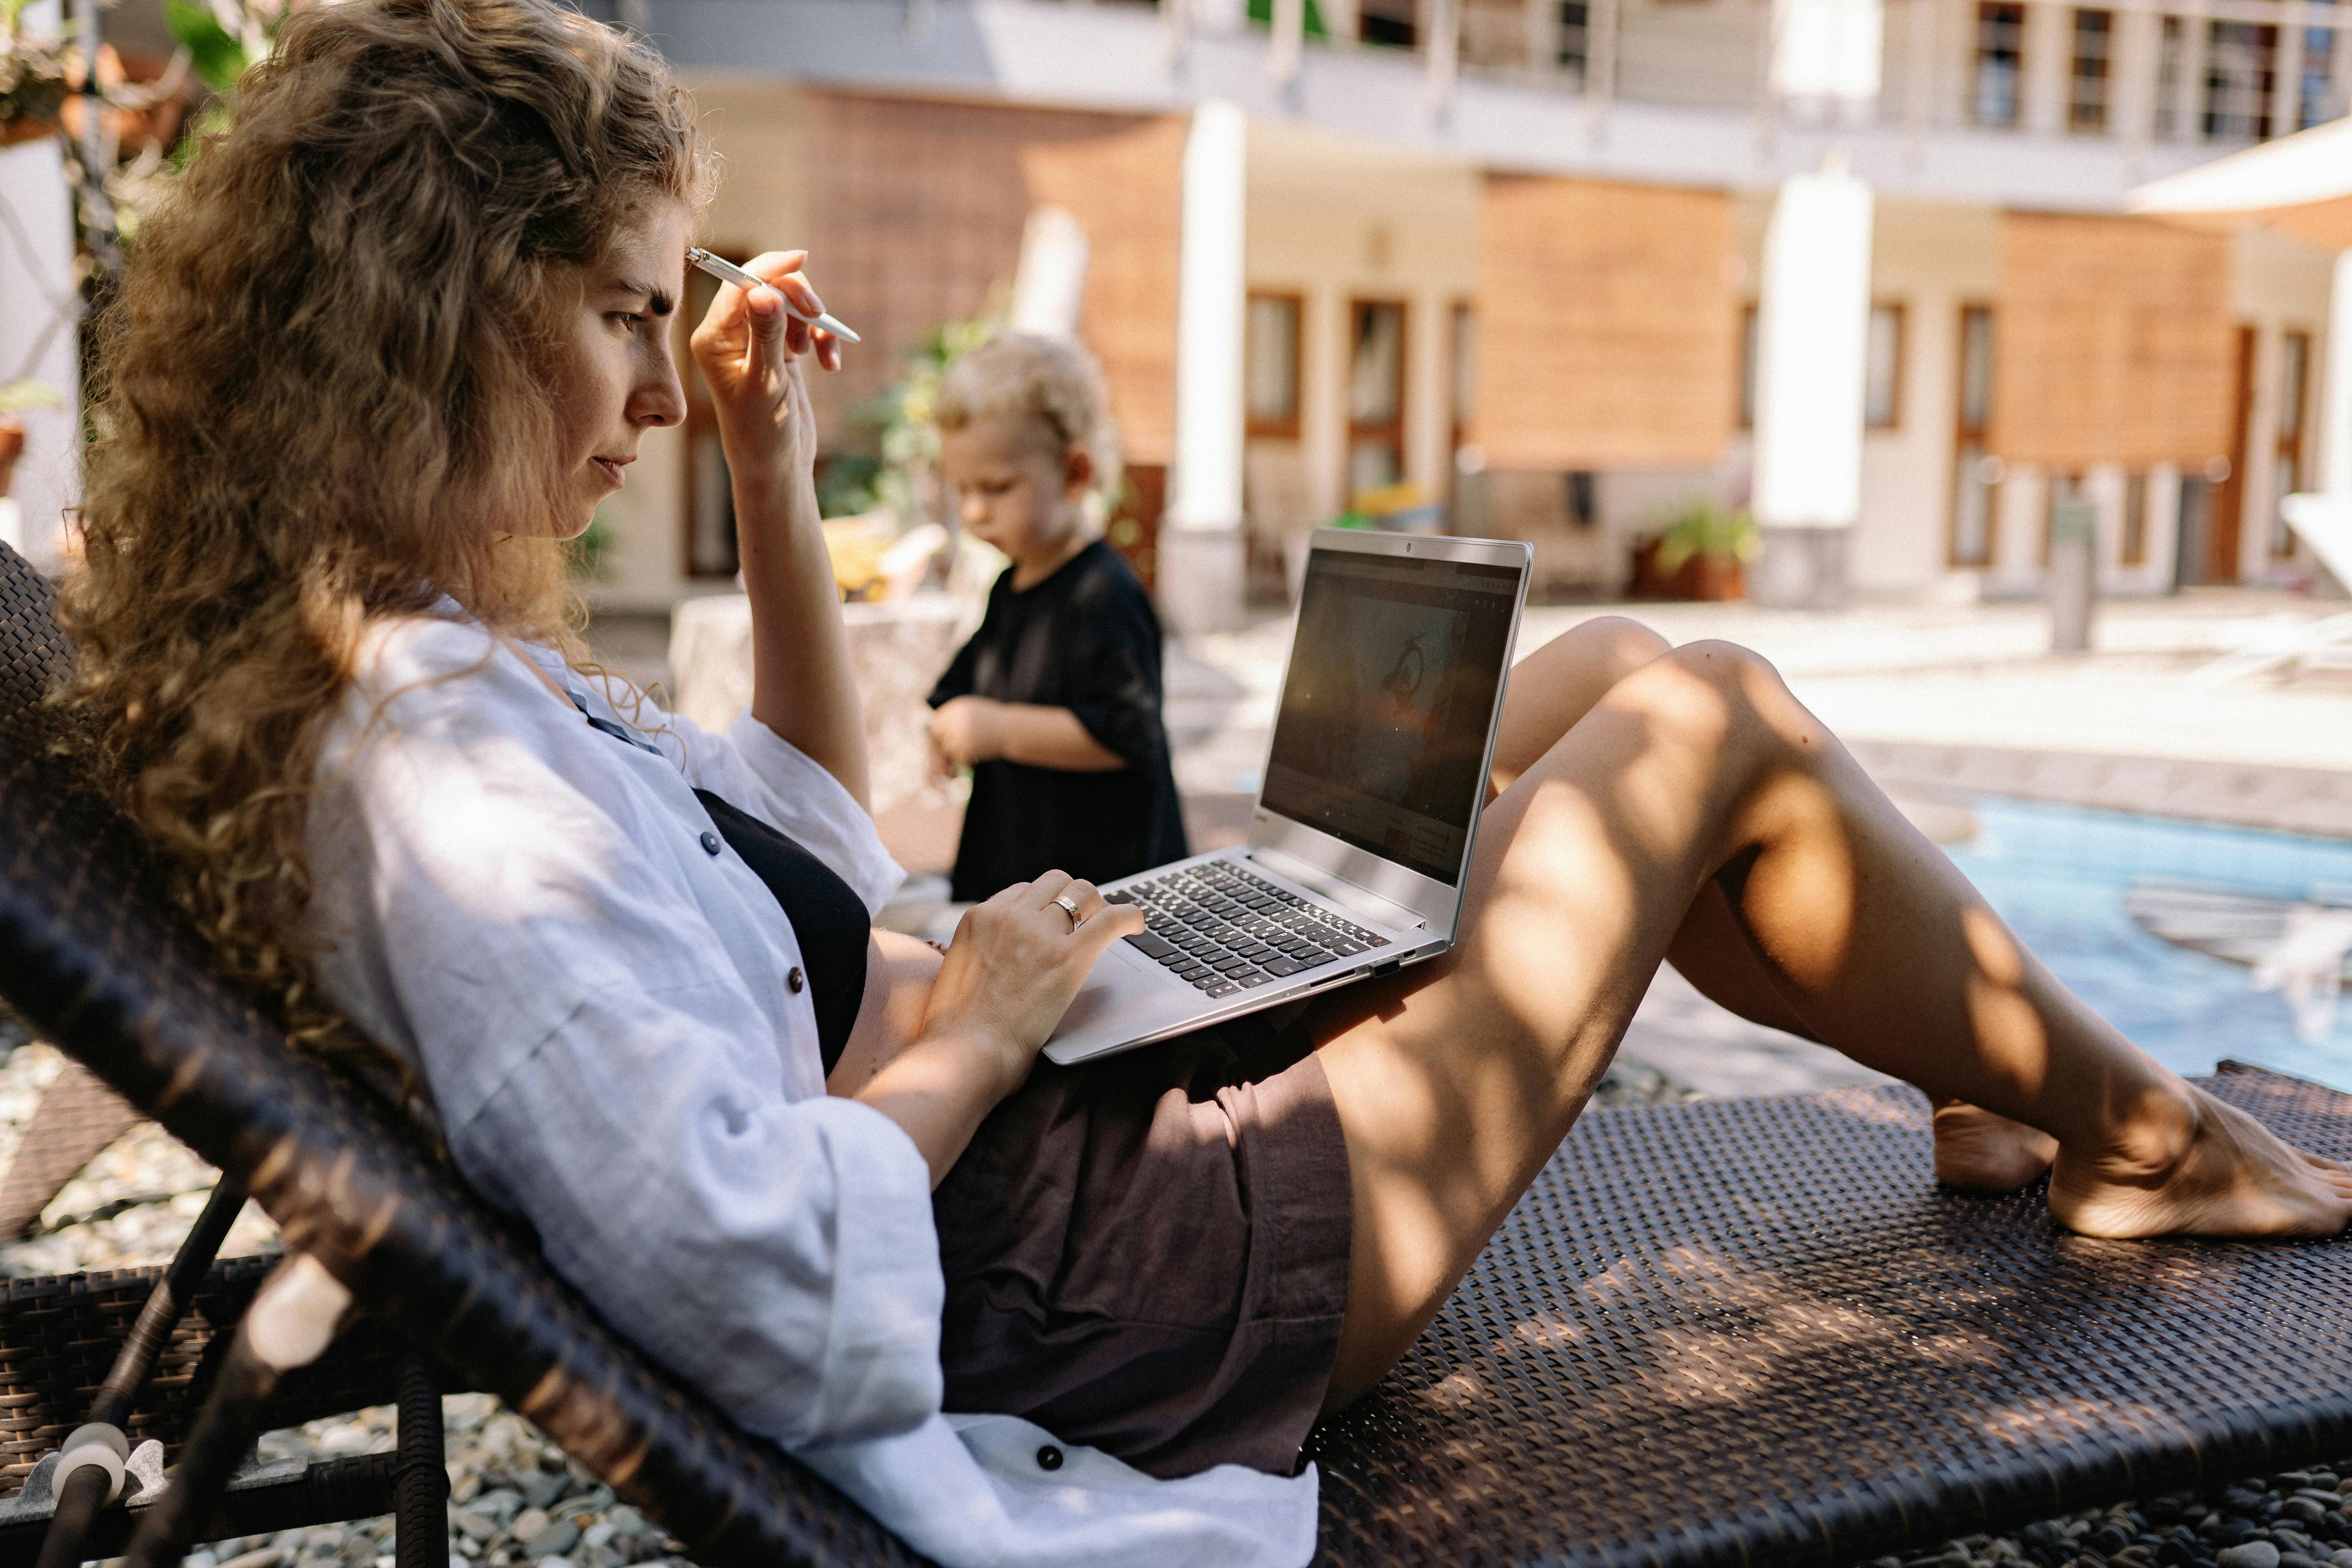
[{"x": 1148, "y": 1255}]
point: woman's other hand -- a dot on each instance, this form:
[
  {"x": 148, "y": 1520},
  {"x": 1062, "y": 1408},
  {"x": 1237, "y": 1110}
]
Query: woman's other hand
[
  {"x": 1016, "y": 962},
  {"x": 749, "y": 349}
]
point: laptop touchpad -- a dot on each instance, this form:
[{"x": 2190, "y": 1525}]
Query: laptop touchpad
[{"x": 1127, "y": 996}]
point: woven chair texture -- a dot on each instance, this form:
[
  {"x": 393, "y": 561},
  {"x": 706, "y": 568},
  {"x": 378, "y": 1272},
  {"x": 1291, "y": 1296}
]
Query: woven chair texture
[
  {"x": 1727, "y": 1333},
  {"x": 59, "y": 1336},
  {"x": 77, "y": 1117},
  {"x": 1755, "y": 1331}
]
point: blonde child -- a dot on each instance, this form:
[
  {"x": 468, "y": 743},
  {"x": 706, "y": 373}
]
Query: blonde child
[{"x": 1055, "y": 702}]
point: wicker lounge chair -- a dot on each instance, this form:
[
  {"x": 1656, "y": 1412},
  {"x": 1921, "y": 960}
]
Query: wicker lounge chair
[{"x": 1729, "y": 1332}]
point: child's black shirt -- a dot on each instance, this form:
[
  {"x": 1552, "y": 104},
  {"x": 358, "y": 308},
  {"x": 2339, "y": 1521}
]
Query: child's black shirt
[{"x": 1086, "y": 639}]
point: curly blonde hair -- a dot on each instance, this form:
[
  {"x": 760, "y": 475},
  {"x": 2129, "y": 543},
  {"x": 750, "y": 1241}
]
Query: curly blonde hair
[
  {"x": 323, "y": 402},
  {"x": 1052, "y": 386}
]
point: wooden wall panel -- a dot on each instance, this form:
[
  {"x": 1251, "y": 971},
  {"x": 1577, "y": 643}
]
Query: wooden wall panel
[
  {"x": 1606, "y": 326},
  {"x": 1126, "y": 188},
  {"x": 2111, "y": 343},
  {"x": 918, "y": 216}
]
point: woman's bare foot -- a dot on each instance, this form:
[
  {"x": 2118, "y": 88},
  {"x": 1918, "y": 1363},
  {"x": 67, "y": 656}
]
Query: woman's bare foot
[
  {"x": 1981, "y": 1153},
  {"x": 2195, "y": 1166}
]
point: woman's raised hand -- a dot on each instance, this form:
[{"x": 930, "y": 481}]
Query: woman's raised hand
[
  {"x": 1016, "y": 962},
  {"x": 748, "y": 348}
]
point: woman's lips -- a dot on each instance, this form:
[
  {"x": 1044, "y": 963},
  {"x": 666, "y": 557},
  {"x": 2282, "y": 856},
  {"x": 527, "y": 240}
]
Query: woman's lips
[{"x": 611, "y": 467}]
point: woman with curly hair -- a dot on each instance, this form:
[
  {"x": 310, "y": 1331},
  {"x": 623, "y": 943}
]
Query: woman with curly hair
[{"x": 399, "y": 332}]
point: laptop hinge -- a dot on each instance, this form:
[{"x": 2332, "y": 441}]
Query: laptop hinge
[{"x": 1341, "y": 890}]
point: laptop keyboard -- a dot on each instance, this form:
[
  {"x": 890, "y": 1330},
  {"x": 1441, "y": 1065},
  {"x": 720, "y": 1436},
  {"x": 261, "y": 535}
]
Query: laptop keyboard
[{"x": 1226, "y": 930}]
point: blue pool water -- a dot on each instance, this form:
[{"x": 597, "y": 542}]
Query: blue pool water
[{"x": 2058, "y": 876}]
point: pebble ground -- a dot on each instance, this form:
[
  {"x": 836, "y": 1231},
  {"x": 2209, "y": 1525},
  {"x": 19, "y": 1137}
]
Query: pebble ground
[{"x": 516, "y": 1500}]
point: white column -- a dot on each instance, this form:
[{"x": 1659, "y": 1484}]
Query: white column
[
  {"x": 2286, "y": 82},
  {"x": 1200, "y": 547},
  {"x": 37, "y": 341},
  {"x": 1811, "y": 329},
  {"x": 1049, "y": 287},
  {"x": 1287, "y": 45},
  {"x": 2335, "y": 451},
  {"x": 1827, "y": 52},
  {"x": 2049, "y": 67},
  {"x": 2132, "y": 80},
  {"x": 1440, "y": 24}
]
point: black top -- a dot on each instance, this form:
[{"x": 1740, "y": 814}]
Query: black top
[
  {"x": 1086, "y": 639},
  {"x": 827, "y": 918}
]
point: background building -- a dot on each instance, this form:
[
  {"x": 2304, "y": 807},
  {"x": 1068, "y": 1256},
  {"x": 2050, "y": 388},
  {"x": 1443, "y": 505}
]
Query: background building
[
  {"x": 1515, "y": 252},
  {"x": 1566, "y": 266}
]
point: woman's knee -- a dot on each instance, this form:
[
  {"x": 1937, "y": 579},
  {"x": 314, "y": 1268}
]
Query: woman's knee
[
  {"x": 1733, "y": 697},
  {"x": 1616, "y": 646}
]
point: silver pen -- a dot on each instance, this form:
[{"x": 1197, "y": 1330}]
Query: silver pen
[{"x": 728, "y": 272}]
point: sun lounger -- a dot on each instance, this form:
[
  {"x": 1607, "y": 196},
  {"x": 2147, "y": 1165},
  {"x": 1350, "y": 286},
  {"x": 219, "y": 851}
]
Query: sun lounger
[{"x": 1729, "y": 1332}]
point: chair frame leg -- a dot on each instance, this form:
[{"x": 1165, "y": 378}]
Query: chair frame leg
[
  {"x": 293, "y": 1319},
  {"x": 89, "y": 1488},
  {"x": 421, "y": 1479}
]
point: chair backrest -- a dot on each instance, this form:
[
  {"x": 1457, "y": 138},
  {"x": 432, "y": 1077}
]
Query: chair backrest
[
  {"x": 104, "y": 968},
  {"x": 33, "y": 652}
]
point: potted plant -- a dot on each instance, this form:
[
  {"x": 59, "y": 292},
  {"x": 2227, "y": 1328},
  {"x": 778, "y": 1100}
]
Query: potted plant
[
  {"x": 32, "y": 81},
  {"x": 1701, "y": 553},
  {"x": 19, "y": 398}
]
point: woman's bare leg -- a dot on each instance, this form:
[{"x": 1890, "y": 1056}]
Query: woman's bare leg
[
  {"x": 1456, "y": 1081},
  {"x": 1558, "y": 685}
]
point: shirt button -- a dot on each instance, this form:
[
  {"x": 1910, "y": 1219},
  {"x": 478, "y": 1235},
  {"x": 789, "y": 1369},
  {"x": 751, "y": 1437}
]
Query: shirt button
[
  {"x": 1049, "y": 1457},
  {"x": 795, "y": 982},
  {"x": 710, "y": 843}
]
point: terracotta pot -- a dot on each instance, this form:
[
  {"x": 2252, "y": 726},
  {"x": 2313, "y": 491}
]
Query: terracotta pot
[
  {"x": 12, "y": 447},
  {"x": 26, "y": 128},
  {"x": 1710, "y": 577}
]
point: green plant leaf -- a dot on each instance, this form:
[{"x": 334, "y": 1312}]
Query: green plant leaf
[{"x": 219, "y": 59}]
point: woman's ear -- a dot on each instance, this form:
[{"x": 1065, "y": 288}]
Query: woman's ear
[{"x": 1077, "y": 472}]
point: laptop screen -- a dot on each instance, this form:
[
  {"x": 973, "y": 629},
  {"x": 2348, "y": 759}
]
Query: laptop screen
[{"x": 1381, "y": 734}]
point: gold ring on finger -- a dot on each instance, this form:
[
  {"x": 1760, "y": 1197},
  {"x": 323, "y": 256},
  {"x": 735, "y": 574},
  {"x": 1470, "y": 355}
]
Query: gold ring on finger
[{"x": 1069, "y": 908}]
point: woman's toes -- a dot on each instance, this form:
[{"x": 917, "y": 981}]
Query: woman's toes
[{"x": 1979, "y": 1152}]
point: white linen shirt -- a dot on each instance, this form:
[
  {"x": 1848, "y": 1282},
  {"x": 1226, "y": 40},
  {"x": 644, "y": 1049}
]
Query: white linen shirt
[{"x": 541, "y": 918}]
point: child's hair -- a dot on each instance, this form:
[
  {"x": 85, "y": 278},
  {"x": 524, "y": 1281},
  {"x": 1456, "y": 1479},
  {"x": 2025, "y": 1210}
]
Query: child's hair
[{"x": 1051, "y": 385}]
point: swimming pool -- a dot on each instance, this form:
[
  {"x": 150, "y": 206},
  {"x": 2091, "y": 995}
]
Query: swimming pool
[{"x": 2059, "y": 875}]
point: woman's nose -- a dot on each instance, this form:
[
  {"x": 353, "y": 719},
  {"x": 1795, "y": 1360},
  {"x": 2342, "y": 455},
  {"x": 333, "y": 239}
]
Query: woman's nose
[{"x": 658, "y": 398}]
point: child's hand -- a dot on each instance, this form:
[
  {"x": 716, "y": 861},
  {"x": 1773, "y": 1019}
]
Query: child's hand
[{"x": 966, "y": 732}]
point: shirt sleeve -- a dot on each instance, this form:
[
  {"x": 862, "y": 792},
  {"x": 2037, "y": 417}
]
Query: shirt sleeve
[
  {"x": 956, "y": 680},
  {"x": 1117, "y": 698},
  {"x": 598, "y": 1065},
  {"x": 756, "y": 770},
  {"x": 778, "y": 1256}
]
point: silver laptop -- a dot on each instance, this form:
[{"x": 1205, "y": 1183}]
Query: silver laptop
[{"x": 1370, "y": 807}]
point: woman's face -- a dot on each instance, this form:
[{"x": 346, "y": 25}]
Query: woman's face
[{"x": 619, "y": 376}]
